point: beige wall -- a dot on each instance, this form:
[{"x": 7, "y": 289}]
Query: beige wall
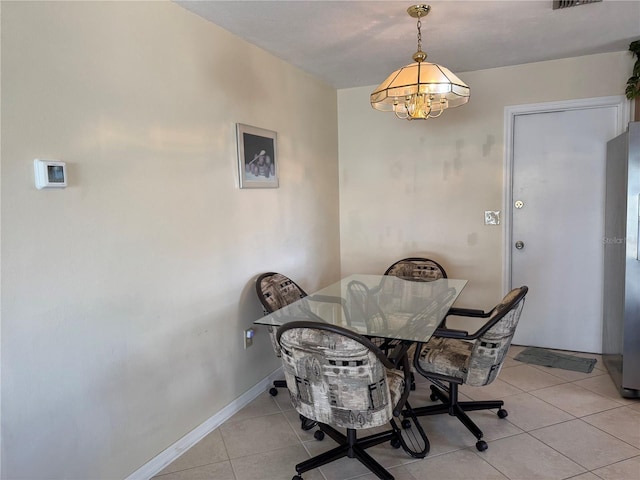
[
  {"x": 422, "y": 187},
  {"x": 124, "y": 296}
]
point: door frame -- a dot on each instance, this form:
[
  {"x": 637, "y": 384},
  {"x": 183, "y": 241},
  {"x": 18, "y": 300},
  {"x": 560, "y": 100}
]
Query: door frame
[{"x": 623, "y": 116}]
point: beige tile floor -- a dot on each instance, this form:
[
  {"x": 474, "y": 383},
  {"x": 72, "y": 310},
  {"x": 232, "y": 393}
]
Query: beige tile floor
[{"x": 561, "y": 424}]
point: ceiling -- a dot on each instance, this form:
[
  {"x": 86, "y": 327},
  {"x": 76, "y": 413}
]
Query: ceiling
[{"x": 358, "y": 43}]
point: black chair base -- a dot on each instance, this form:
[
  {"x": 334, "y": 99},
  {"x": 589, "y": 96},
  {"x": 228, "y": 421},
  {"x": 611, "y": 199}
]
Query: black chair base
[
  {"x": 352, "y": 447},
  {"x": 453, "y": 407},
  {"x": 410, "y": 437}
]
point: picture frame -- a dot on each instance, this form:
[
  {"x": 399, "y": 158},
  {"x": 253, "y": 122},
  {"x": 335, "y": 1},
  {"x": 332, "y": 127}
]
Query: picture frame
[{"x": 257, "y": 157}]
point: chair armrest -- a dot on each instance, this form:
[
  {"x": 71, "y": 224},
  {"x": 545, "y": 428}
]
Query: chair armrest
[
  {"x": 463, "y": 312},
  {"x": 326, "y": 299},
  {"x": 450, "y": 333},
  {"x": 467, "y": 312}
]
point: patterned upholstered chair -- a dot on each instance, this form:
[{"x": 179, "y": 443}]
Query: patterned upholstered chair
[
  {"x": 364, "y": 309},
  {"x": 275, "y": 291},
  {"x": 417, "y": 268},
  {"x": 455, "y": 357},
  {"x": 341, "y": 380}
]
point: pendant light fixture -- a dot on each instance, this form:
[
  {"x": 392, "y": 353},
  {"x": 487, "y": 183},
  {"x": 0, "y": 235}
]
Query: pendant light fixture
[{"x": 420, "y": 90}]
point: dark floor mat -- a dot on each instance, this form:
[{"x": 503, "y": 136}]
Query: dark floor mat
[{"x": 548, "y": 358}]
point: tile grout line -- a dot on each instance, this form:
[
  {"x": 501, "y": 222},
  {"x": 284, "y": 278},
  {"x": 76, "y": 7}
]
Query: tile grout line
[
  {"x": 575, "y": 461},
  {"x": 604, "y": 431}
]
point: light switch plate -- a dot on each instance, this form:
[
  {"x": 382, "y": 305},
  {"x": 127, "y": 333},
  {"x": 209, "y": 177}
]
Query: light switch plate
[{"x": 492, "y": 217}]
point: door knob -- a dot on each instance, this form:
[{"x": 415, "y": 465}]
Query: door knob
[{"x": 519, "y": 245}]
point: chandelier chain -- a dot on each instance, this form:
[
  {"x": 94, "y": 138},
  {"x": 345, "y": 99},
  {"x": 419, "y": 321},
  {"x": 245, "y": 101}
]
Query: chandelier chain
[{"x": 419, "y": 35}]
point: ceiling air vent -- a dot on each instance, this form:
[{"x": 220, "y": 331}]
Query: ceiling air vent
[{"x": 571, "y": 3}]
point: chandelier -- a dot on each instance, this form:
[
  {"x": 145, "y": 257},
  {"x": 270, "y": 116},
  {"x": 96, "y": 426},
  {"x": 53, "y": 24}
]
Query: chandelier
[{"x": 420, "y": 90}]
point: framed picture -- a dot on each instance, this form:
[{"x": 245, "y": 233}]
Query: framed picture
[{"x": 257, "y": 157}]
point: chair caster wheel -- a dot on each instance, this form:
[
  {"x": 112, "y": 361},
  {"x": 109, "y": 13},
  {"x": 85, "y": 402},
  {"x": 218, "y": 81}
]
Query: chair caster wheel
[
  {"x": 396, "y": 443},
  {"x": 307, "y": 423},
  {"x": 502, "y": 413},
  {"x": 481, "y": 445},
  {"x": 433, "y": 397},
  {"x": 318, "y": 435},
  {"x": 273, "y": 391},
  {"x": 406, "y": 423},
  {"x": 297, "y": 477}
]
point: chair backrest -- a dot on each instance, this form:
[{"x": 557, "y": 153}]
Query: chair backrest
[
  {"x": 417, "y": 268},
  {"x": 276, "y": 291},
  {"x": 490, "y": 348},
  {"x": 338, "y": 377},
  {"x": 363, "y": 308}
]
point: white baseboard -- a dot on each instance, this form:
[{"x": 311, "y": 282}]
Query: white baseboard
[{"x": 155, "y": 465}]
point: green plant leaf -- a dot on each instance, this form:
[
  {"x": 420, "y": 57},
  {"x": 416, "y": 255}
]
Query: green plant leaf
[
  {"x": 633, "y": 90},
  {"x": 633, "y": 84}
]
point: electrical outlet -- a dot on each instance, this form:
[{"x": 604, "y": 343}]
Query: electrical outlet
[{"x": 248, "y": 337}]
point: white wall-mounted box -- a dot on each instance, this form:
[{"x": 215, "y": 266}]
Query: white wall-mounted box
[{"x": 50, "y": 174}]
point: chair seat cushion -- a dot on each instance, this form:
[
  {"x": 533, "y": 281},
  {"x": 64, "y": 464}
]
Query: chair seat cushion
[
  {"x": 446, "y": 356},
  {"x": 397, "y": 320}
]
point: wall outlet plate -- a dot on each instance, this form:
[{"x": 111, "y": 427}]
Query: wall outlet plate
[{"x": 248, "y": 337}]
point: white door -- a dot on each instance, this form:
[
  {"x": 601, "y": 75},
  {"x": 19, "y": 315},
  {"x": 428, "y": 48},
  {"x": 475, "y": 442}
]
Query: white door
[{"x": 557, "y": 220}]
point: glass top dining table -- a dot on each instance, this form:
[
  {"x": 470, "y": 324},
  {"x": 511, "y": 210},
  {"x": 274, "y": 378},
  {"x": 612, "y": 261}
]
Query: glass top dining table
[{"x": 376, "y": 305}]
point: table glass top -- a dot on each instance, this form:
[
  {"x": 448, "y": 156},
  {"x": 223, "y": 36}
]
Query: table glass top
[{"x": 377, "y": 305}]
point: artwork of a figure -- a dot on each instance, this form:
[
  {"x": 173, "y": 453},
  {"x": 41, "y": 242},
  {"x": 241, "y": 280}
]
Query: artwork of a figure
[
  {"x": 261, "y": 165},
  {"x": 258, "y": 159}
]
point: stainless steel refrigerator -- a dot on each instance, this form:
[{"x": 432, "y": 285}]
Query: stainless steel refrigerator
[{"x": 621, "y": 295}]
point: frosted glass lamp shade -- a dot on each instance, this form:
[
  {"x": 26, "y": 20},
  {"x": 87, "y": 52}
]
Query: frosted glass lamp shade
[{"x": 420, "y": 90}]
